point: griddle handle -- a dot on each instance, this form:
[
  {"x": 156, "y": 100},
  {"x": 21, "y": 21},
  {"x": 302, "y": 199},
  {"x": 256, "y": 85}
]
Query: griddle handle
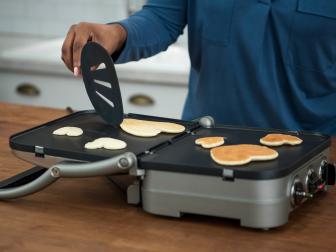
[
  {"x": 23, "y": 177},
  {"x": 119, "y": 164},
  {"x": 36, "y": 185}
]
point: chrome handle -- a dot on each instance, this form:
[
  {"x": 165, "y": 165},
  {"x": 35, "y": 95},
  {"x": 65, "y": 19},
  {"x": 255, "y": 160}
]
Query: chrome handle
[
  {"x": 141, "y": 100},
  {"x": 116, "y": 165},
  {"x": 28, "y": 89},
  {"x": 119, "y": 164}
]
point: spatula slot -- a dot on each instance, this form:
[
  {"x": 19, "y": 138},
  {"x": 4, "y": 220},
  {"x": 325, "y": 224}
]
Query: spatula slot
[
  {"x": 103, "y": 83},
  {"x": 105, "y": 99},
  {"x": 101, "y": 66}
]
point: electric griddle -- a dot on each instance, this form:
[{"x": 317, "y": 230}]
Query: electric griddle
[{"x": 172, "y": 175}]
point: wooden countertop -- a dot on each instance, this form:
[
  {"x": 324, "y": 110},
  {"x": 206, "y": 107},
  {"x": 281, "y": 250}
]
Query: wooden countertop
[{"x": 92, "y": 214}]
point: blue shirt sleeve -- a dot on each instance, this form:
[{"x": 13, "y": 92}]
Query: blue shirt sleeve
[{"x": 152, "y": 29}]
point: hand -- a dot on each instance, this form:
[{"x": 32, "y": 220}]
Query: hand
[{"x": 110, "y": 36}]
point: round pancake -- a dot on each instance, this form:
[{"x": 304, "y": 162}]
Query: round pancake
[
  {"x": 210, "y": 142},
  {"x": 280, "y": 139},
  {"x": 241, "y": 154}
]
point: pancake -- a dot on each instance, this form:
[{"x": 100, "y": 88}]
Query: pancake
[
  {"x": 143, "y": 128},
  {"x": 168, "y": 127},
  {"x": 139, "y": 128},
  {"x": 280, "y": 139},
  {"x": 68, "y": 131},
  {"x": 106, "y": 143},
  {"x": 210, "y": 142},
  {"x": 242, "y": 154}
]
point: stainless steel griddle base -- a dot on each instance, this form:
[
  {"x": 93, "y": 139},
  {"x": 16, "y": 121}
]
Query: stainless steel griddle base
[
  {"x": 256, "y": 203},
  {"x": 170, "y": 181}
]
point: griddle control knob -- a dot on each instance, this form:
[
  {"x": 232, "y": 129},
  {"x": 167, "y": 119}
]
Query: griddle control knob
[
  {"x": 328, "y": 173},
  {"x": 298, "y": 193},
  {"x": 314, "y": 182}
]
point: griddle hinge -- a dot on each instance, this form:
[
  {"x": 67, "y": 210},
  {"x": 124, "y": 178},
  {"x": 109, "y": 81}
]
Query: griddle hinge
[
  {"x": 133, "y": 193},
  {"x": 228, "y": 175},
  {"x": 39, "y": 151},
  {"x": 137, "y": 172}
]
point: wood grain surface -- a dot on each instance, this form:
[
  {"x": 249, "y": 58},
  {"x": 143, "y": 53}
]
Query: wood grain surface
[{"x": 92, "y": 214}]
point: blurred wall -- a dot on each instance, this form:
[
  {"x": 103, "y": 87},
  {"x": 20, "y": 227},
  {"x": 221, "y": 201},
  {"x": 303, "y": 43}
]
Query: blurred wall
[{"x": 52, "y": 18}]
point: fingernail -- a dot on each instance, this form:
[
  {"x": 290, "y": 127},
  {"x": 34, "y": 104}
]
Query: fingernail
[{"x": 76, "y": 71}]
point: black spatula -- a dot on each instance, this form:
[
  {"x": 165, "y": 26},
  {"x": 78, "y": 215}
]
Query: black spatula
[{"x": 102, "y": 85}]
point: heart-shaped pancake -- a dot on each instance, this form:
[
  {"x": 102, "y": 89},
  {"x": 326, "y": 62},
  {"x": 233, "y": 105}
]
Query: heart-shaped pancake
[
  {"x": 106, "y": 143},
  {"x": 210, "y": 142},
  {"x": 280, "y": 139},
  {"x": 143, "y": 128},
  {"x": 68, "y": 131},
  {"x": 241, "y": 154}
]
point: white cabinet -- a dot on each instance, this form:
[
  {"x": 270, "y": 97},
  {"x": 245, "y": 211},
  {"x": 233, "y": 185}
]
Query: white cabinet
[
  {"x": 168, "y": 101},
  {"x": 153, "y": 86},
  {"x": 61, "y": 92},
  {"x": 58, "y": 92}
]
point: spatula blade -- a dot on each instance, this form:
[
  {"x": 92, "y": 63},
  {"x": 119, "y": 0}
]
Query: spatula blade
[{"x": 102, "y": 85}]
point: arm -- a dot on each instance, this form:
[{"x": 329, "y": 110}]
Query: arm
[{"x": 143, "y": 34}]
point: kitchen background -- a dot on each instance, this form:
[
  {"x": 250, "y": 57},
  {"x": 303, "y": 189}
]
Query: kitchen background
[{"x": 32, "y": 72}]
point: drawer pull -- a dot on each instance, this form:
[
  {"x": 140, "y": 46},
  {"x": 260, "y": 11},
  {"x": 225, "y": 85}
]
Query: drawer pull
[
  {"x": 27, "y": 89},
  {"x": 141, "y": 100}
]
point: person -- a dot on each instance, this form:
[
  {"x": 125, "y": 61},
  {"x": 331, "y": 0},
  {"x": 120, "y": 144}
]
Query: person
[{"x": 259, "y": 63}]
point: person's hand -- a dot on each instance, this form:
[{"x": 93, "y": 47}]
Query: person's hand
[{"x": 110, "y": 36}]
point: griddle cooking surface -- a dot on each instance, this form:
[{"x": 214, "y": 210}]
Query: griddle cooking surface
[
  {"x": 185, "y": 156},
  {"x": 94, "y": 127}
]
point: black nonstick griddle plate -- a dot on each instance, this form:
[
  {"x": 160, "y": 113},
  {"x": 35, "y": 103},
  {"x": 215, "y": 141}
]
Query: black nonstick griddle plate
[
  {"x": 94, "y": 127},
  {"x": 185, "y": 156}
]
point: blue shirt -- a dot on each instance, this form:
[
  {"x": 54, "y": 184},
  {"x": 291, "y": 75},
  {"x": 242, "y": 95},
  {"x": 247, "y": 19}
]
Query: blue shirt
[{"x": 264, "y": 63}]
